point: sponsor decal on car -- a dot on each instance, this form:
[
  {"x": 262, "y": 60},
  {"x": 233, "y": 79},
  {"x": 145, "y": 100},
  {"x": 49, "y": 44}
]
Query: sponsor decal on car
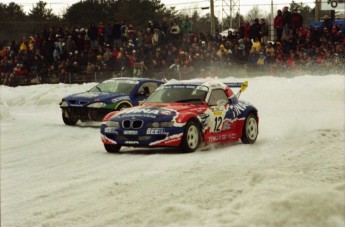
[
  {"x": 218, "y": 138},
  {"x": 172, "y": 140},
  {"x": 115, "y": 100},
  {"x": 203, "y": 88},
  {"x": 226, "y": 125},
  {"x": 130, "y": 132},
  {"x": 239, "y": 107},
  {"x": 218, "y": 113},
  {"x": 139, "y": 115},
  {"x": 146, "y": 112},
  {"x": 156, "y": 131},
  {"x": 143, "y": 111},
  {"x": 131, "y": 142},
  {"x": 166, "y": 112},
  {"x": 184, "y": 86},
  {"x": 110, "y": 130}
]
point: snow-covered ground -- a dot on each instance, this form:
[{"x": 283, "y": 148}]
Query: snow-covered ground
[{"x": 294, "y": 175}]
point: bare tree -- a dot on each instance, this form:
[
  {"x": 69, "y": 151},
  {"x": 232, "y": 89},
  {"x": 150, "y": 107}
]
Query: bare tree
[{"x": 255, "y": 12}]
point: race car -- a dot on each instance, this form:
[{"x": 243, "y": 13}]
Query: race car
[
  {"x": 183, "y": 114},
  {"x": 105, "y": 97}
]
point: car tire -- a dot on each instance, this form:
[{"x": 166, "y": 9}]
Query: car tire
[
  {"x": 122, "y": 107},
  {"x": 191, "y": 139},
  {"x": 69, "y": 121},
  {"x": 112, "y": 148},
  {"x": 250, "y": 129}
]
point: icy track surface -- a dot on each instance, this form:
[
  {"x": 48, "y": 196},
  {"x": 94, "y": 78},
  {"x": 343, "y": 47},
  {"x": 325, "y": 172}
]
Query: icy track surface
[{"x": 56, "y": 175}]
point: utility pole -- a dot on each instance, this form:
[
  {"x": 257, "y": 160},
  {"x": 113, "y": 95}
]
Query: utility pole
[
  {"x": 213, "y": 29},
  {"x": 272, "y": 22},
  {"x": 317, "y": 10},
  {"x": 231, "y": 8}
]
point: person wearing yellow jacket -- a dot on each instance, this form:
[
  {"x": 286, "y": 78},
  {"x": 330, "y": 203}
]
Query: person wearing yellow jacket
[
  {"x": 23, "y": 46},
  {"x": 257, "y": 45},
  {"x": 222, "y": 51}
]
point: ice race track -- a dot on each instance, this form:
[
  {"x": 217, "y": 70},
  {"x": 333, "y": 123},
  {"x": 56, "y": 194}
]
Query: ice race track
[{"x": 294, "y": 175}]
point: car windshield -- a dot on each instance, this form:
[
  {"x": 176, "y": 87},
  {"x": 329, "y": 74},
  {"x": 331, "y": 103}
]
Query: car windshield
[
  {"x": 179, "y": 93},
  {"x": 116, "y": 86}
]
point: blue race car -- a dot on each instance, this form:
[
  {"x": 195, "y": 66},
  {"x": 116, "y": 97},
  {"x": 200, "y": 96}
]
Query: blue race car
[{"x": 110, "y": 95}]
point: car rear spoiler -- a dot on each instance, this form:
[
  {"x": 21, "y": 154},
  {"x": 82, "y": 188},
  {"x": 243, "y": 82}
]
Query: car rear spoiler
[{"x": 242, "y": 85}]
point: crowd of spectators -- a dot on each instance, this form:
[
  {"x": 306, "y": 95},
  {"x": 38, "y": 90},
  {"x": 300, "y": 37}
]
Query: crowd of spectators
[{"x": 173, "y": 49}]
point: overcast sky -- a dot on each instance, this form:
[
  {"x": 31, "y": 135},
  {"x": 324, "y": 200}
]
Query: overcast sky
[{"x": 186, "y": 6}]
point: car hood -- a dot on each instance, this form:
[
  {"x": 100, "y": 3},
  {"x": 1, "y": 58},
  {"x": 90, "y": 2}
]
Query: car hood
[
  {"x": 158, "y": 110},
  {"x": 89, "y": 97}
]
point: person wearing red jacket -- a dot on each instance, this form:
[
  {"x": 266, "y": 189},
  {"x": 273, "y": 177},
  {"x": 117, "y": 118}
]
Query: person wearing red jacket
[{"x": 296, "y": 21}]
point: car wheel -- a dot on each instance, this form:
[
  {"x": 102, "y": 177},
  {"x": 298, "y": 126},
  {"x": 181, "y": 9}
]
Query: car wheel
[
  {"x": 112, "y": 148},
  {"x": 69, "y": 121},
  {"x": 122, "y": 107},
  {"x": 250, "y": 129},
  {"x": 191, "y": 137}
]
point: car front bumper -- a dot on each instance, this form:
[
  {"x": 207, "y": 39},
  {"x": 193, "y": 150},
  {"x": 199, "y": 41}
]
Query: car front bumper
[
  {"x": 145, "y": 137},
  {"x": 85, "y": 113}
]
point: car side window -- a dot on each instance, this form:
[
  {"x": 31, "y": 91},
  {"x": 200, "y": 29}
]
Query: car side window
[
  {"x": 216, "y": 95},
  {"x": 148, "y": 88}
]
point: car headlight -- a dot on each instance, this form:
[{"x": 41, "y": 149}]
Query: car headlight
[
  {"x": 63, "y": 103},
  {"x": 114, "y": 124},
  {"x": 163, "y": 124},
  {"x": 97, "y": 105}
]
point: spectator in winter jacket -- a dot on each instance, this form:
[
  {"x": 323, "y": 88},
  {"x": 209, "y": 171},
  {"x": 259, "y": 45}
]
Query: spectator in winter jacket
[
  {"x": 157, "y": 37},
  {"x": 175, "y": 34},
  {"x": 108, "y": 36},
  {"x": 241, "y": 31},
  {"x": 257, "y": 45},
  {"x": 186, "y": 27},
  {"x": 100, "y": 29},
  {"x": 315, "y": 35},
  {"x": 286, "y": 18},
  {"x": 117, "y": 34},
  {"x": 291, "y": 61},
  {"x": 263, "y": 31},
  {"x": 296, "y": 21},
  {"x": 255, "y": 30},
  {"x": 165, "y": 26},
  {"x": 335, "y": 34},
  {"x": 247, "y": 29},
  {"x": 222, "y": 51},
  {"x": 93, "y": 35},
  {"x": 278, "y": 25},
  {"x": 327, "y": 23},
  {"x": 70, "y": 45}
]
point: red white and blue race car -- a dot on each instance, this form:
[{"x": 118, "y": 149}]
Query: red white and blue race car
[{"x": 183, "y": 114}]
